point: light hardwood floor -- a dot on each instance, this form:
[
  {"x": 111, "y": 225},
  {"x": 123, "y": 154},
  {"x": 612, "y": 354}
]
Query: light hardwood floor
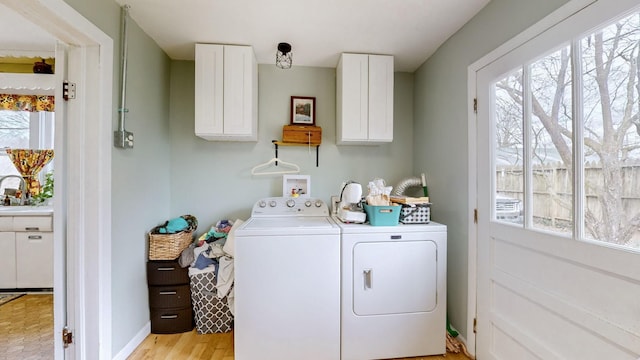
[
  {"x": 192, "y": 346},
  {"x": 26, "y": 333},
  {"x": 26, "y": 328}
]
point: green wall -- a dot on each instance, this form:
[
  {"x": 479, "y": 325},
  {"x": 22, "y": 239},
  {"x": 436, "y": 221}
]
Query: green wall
[
  {"x": 172, "y": 172},
  {"x": 140, "y": 176},
  {"x": 212, "y": 179},
  {"x": 441, "y": 130}
]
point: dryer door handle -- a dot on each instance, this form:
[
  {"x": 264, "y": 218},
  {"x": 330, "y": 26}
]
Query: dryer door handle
[{"x": 367, "y": 273}]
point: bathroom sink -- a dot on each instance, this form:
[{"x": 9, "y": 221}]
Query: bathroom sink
[{"x": 26, "y": 210}]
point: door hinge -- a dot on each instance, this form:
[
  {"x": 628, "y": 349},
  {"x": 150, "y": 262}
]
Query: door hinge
[
  {"x": 475, "y": 323},
  {"x": 67, "y": 337},
  {"x": 475, "y": 216},
  {"x": 475, "y": 105},
  {"x": 68, "y": 90}
]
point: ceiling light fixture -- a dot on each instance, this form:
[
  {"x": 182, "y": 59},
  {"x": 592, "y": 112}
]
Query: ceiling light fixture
[{"x": 284, "y": 56}]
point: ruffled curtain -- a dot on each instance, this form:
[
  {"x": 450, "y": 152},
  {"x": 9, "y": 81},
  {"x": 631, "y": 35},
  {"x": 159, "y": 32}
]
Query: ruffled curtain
[
  {"x": 29, "y": 163},
  {"x": 27, "y": 102}
]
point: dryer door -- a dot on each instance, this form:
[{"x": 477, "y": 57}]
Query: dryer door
[{"x": 394, "y": 277}]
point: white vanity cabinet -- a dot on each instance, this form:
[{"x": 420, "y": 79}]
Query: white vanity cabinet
[
  {"x": 364, "y": 99},
  {"x": 226, "y": 92},
  {"x": 7, "y": 259},
  {"x": 26, "y": 252}
]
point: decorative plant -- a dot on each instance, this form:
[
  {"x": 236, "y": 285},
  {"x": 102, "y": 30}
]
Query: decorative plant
[{"x": 46, "y": 192}]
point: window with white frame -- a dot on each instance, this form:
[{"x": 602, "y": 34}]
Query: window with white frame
[
  {"x": 24, "y": 130},
  {"x": 567, "y": 122}
]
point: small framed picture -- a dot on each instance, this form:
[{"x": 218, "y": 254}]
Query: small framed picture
[{"x": 303, "y": 110}]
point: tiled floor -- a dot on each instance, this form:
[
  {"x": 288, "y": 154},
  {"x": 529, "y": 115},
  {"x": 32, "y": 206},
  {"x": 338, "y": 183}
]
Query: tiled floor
[{"x": 26, "y": 328}]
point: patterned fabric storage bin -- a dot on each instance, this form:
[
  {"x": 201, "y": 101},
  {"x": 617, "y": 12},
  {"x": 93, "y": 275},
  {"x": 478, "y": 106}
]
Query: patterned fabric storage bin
[
  {"x": 212, "y": 315},
  {"x": 415, "y": 214}
]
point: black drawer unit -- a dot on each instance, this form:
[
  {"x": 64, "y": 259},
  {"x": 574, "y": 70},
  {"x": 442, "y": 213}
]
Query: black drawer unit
[
  {"x": 171, "y": 321},
  {"x": 166, "y": 272},
  {"x": 169, "y": 297}
]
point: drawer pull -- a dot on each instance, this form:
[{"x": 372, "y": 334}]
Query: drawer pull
[
  {"x": 166, "y": 268},
  {"x": 31, "y": 228},
  {"x": 168, "y": 292},
  {"x": 34, "y": 237},
  {"x": 168, "y": 316}
]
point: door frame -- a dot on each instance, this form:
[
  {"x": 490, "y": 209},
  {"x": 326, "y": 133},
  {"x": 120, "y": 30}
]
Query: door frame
[
  {"x": 82, "y": 215},
  {"x": 553, "y": 18}
]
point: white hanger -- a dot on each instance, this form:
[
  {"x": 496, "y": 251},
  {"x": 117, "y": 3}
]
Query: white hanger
[{"x": 290, "y": 168}]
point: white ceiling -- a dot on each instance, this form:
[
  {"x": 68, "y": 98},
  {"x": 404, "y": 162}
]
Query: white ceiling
[{"x": 318, "y": 30}]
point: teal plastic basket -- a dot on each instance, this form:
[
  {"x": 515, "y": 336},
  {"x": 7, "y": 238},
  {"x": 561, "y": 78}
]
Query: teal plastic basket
[{"x": 383, "y": 215}]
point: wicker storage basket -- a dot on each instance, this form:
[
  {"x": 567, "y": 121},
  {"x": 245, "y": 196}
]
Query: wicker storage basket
[{"x": 169, "y": 246}]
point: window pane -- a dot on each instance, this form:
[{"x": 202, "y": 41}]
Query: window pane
[
  {"x": 14, "y": 129},
  {"x": 550, "y": 142},
  {"x": 611, "y": 128},
  {"x": 508, "y": 152}
]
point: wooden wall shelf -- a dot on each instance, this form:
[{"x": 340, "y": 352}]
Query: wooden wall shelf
[{"x": 277, "y": 143}]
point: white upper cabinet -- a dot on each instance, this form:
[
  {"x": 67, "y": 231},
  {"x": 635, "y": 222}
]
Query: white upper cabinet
[
  {"x": 226, "y": 94},
  {"x": 364, "y": 99}
]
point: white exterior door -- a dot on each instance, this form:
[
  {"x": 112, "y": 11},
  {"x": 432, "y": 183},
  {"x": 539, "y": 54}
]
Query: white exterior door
[{"x": 550, "y": 284}]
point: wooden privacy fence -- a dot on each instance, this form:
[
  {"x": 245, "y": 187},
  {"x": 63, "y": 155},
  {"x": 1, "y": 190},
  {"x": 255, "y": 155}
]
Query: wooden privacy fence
[{"x": 552, "y": 190}]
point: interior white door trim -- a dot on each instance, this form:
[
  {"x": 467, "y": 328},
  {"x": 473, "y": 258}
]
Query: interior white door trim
[
  {"x": 561, "y": 13},
  {"x": 88, "y": 156},
  {"x": 61, "y": 299}
]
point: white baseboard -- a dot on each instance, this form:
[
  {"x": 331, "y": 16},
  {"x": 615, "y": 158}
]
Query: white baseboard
[{"x": 134, "y": 343}]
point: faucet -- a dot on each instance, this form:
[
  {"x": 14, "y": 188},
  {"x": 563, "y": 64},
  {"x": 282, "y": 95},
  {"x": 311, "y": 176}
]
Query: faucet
[{"x": 23, "y": 186}]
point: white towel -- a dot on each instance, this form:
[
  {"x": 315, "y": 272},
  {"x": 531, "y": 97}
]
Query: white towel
[
  {"x": 231, "y": 302},
  {"x": 230, "y": 244},
  {"x": 225, "y": 276}
]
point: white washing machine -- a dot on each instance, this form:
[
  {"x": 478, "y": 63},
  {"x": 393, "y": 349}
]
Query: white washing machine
[
  {"x": 393, "y": 290},
  {"x": 287, "y": 282}
]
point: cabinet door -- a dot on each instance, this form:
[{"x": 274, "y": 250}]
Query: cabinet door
[
  {"x": 380, "y": 98},
  {"x": 240, "y": 90},
  {"x": 352, "y": 98},
  {"x": 394, "y": 277},
  {"x": 209, "y": 91},
  {"x": 7, "y": 260},
  {"x": 226, "y": 98},
  {"x": 34, "y": 259}
]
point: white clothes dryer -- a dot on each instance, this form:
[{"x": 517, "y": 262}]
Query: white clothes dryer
[
  {"x": 287, "y": 282},
  {"x": 393, "y": 290}
]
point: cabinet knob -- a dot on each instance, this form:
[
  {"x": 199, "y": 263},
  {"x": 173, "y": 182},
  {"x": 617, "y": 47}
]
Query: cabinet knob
[{"x": 32, "y": 228}]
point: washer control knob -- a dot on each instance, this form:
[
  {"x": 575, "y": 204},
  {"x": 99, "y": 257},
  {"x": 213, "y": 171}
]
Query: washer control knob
[
  {"x": 262, "y": 204},
  {"x": 307, "y": 203},
  {"x": 291, "y": 203},
  {"x": 272, "y": 203},
  {"x": 318, "y": 203}
]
